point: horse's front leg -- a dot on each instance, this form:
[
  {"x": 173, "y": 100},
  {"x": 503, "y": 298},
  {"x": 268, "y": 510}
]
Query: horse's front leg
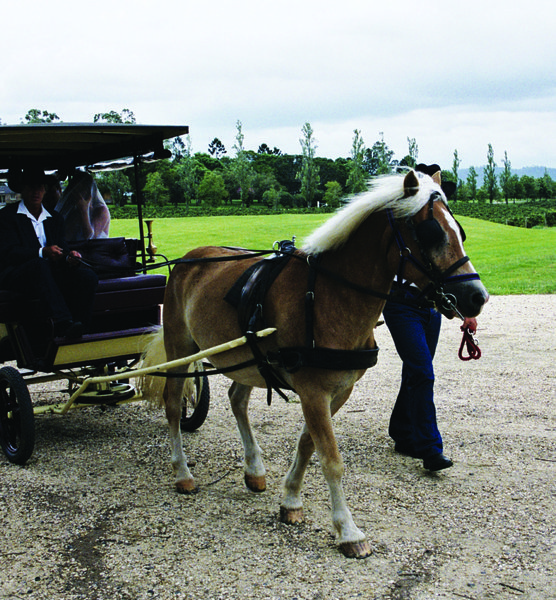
[
  {"x": 318, "y": 433},
  {"x": 253, "y": 466},
  {"x": 173, "y": 400},
  {"x": 291, "y": 509}
]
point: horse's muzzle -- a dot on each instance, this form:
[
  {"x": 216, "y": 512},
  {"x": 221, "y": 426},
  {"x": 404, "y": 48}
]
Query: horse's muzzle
[{"x": 470, "y": 297}]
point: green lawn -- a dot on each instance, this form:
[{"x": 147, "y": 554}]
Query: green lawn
[{"x": 510, "y": 260}]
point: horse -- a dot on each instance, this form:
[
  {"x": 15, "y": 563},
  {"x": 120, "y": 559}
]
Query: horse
[{"x": 402, "y": 227}]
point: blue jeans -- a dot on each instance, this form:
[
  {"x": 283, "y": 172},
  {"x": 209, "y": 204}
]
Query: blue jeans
[{"x": 415, "y": 332}]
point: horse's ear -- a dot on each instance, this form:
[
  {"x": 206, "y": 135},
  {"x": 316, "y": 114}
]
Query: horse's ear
[
  {"x": 437, "y": 178},
  {"x": 410, "y": 184}
]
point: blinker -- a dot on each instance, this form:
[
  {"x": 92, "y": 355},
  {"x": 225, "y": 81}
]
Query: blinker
[{"x": 430, "y": 233}]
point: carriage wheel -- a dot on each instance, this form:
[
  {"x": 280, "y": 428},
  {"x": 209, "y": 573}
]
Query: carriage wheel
[
  {"x": 17, "y": 421},
  {"x": 195, "y": 410}
]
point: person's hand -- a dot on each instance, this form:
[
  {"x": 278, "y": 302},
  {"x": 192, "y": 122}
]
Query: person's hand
[
  {"x": 83, "y": 204},
  {"x": 469, "y": 323},
  {"x": 73, "y": 257},
  {"x": 53, "y": 253}
]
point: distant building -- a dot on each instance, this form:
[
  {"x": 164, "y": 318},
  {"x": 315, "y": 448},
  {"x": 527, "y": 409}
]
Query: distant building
[{"x": 6, "y": 195}]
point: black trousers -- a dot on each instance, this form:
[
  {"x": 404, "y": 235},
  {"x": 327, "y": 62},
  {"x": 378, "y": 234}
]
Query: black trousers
[{"x": 65, "y": 292}]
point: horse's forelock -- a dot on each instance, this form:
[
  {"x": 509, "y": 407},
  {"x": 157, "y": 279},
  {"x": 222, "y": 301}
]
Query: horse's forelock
[{"x": 384, "y": 193}]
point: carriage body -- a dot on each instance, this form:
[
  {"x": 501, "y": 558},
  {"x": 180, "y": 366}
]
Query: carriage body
[{"x": 127, "y": 302}]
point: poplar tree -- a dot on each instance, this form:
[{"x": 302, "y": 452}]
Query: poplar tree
[
  {"x": 241, "y": 166},
  {"x": 506, "y": 177},
  {"x": 490, "y": 184},
  {"x": 309, "y": 172},
  {"x": 357, "y": 180}
]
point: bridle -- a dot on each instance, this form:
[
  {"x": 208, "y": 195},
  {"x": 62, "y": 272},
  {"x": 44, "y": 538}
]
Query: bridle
[{"x": 429, "y": 234}]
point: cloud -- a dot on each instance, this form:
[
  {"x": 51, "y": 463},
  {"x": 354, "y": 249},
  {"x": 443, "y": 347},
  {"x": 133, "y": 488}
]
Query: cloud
[{"x": 451, "y": 76}]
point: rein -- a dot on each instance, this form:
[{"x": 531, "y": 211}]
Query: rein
[{"x": 470, "y": 343}]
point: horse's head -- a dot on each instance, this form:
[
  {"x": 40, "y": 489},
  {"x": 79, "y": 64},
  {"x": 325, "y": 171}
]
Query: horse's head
[{"x": 430, "y": 244}]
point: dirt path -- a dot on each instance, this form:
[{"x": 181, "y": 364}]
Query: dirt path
[{"x": 93, "y": 514}]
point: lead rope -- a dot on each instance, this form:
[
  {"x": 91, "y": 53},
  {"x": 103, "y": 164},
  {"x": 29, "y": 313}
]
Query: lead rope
[{"x": 470, "y": 344}]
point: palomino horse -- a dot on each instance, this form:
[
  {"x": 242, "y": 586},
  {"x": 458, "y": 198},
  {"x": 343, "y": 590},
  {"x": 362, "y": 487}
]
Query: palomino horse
[{"x": 401, "y": 226}]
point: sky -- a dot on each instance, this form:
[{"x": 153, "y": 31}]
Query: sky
[{"x": 452, "y": 76}]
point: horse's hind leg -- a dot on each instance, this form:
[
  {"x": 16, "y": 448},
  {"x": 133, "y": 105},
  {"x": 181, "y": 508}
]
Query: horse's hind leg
[
  {"x": 253, "y": 465},
  {"x": 173, "y": 399},
  {"x": 291, "y": 509}
]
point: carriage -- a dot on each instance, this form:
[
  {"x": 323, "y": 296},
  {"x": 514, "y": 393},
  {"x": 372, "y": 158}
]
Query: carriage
[{"x": 97, "y": 367}]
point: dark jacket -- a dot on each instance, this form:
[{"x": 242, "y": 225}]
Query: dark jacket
[{"x": 18, "y": 240}]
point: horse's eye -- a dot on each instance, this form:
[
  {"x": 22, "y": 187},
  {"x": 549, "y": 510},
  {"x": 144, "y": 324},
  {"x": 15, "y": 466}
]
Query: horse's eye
[{"x": 430, "y": 234}]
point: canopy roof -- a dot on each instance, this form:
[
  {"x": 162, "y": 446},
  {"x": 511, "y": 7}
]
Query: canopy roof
[{"x": 68, "y": 145}]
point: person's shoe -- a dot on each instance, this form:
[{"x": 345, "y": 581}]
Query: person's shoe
[{"x": 437, "y": 462}]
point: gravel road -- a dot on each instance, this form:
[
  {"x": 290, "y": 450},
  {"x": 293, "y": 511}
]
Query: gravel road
[{"x": 93, "y": 515}]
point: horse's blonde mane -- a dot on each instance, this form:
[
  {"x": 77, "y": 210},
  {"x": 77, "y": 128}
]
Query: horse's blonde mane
[{"x": 385, "y": 192}]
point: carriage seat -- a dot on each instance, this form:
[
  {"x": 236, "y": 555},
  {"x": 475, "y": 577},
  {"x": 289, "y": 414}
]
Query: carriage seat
[
  {"x": 120, "y": 303},
  {"x": 128, "y": 302}
]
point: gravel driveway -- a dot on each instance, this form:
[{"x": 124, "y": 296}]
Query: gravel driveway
[{"x": 93, "y": 514}]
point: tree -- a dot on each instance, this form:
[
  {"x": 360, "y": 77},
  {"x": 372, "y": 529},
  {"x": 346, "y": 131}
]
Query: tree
[
  {"x": 546, "y": 186},
  {"x": 212, "y": 190},
  {"x": 516, "y": 189},
  {"x": 490, "y": 183},
  {"x": 37, "y": 116},
  {"x": 333, "y": 194},
  {"x": 126, "y": 116},
  {"x": 472, "y": 183},
  {"x": 379, "y": 158},
  {"x": 455, "y": 166},
  {"x": 155, "y": 190},
  {"x": 506, "y": 177},
  {"x": 187, "y": 172},
  {"x": 410, "y": 160},
  {"x": 309, "y": 172},
  {"x": 265, "y": 149},
  {"x": 357, "y": 181},
  {"x": 216, "y": 148},
  {"x": 242, "y": 170},
  {"x": 177, "y": 147},
  {"x": 114, "y": 185},
  {"x": 530, "y": 187}
]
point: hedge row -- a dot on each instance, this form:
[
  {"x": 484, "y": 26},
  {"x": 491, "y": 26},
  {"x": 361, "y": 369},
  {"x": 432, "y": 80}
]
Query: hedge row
[
  {"x": 527, "y": 214},
  {"x": 181, "y": 210}
]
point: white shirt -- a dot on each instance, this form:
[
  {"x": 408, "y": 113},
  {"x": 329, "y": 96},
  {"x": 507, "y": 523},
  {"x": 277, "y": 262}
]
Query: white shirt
[{"x": 38, "y": 224}]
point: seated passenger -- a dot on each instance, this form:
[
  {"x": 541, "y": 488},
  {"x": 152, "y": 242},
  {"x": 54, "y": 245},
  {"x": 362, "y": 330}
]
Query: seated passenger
[
  {"x": 85, "y": 213},
  {"x": 35, "y": 260}
]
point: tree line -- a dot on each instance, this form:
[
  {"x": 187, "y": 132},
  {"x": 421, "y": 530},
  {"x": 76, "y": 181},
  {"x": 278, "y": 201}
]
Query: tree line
[{"x": 270, "y": 177}]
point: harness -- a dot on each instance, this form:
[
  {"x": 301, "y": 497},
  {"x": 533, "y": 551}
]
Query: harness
[
  {"x": 247, "y": 296},
  {"x": 428, "y": 234}
]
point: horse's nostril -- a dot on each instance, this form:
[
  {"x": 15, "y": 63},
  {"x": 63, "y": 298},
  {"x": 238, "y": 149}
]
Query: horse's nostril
[{"x": 478, "y": 299}]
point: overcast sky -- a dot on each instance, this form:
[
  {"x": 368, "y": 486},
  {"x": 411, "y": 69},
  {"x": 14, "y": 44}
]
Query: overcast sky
[{"x": 451, "y": 75}]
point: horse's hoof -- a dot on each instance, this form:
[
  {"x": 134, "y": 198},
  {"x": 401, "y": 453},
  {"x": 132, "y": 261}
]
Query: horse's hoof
[
  {"x": 186, "y": 486},
  {"x": 356, "y": 549},
  {"x": 255, "y": 483},
  {"x": 291, "y": 516}
]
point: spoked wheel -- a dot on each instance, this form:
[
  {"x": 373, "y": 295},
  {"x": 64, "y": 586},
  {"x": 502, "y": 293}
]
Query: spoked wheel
[
  {"x": 17, "y": 421},
  {"x": 195, "y": 409}
]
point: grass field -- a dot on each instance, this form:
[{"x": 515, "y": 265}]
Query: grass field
[{"x": 510, "y": 260}]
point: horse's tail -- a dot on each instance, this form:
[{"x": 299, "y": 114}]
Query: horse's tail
[{"x": 150, "y": 386}]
